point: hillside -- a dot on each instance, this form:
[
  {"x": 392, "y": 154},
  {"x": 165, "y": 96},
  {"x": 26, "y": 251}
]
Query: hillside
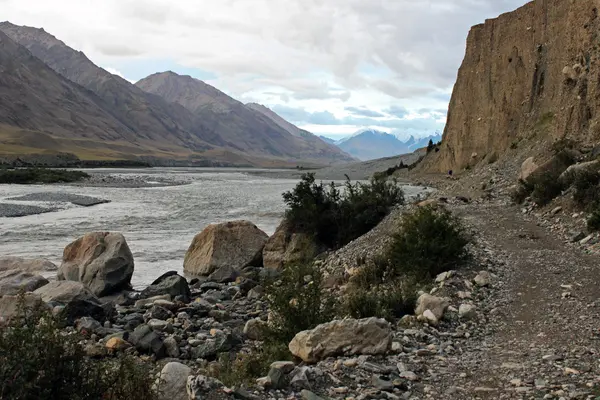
[
  {"x": 40, "y": 108},
  {"x": 224, "y": 131},
  {"x": 530, "y": 76},
  {"x": 244, "y": 128}
]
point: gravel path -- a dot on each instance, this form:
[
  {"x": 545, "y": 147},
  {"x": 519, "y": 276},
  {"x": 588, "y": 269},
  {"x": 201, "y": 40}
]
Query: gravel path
[{"x": 540, "y": 336}]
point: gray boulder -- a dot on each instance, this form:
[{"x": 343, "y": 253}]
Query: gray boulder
[
  {"x": 10, "y": 306},
  {"x": 198, "y": 387},
  {"x": 15, "y": 281},
  {"x": 172, "y": 381},
  {"x": 26, "y": 264},
  {"x": 75, "y": 299},
  {"x": 100, "y": 260},
  {"x": 171, "y": 284}
]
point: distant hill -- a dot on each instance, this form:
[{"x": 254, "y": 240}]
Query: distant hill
[
  {"x": 165, "y": 115},
  {"x": 328, "y": 140}
]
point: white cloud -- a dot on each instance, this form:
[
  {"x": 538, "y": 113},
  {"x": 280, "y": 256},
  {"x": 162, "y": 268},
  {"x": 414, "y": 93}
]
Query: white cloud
[
  {"x": 114, "y": 71},
  {"x": 315, "y": 54}
]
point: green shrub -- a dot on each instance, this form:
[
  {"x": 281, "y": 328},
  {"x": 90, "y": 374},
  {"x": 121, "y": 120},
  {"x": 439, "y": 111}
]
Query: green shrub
[
  {"x": 430, "y": 242},
  {"x": 246, "y": 367},
  {"x": 39, "y": 175},
  {"x": 336, "y": 217},
  {"x": 545, "y": 189},
  {"x": 593, "y": 222},
  {"x": 38, "y": 361},
  {"x": 383, "y": 301},
  {"x": 298, "y": 301},
  {"x": 586, "y": 186}
]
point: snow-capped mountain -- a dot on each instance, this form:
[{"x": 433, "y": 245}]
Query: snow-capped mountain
[{"x": 371, "y": 144}]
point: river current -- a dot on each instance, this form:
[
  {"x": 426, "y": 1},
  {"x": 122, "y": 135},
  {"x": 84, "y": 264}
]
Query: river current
[{"x": 159, "y": 223}]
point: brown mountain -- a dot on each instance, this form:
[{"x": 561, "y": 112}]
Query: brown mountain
[
  {"x": 529, "y": 77},
  {"x": 41, "y": 109},
  {"x": 251, "y": 129},
  {"x": 169, "y": 128}
]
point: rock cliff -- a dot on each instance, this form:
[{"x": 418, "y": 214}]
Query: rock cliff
[{"x": 532, "y": 74}]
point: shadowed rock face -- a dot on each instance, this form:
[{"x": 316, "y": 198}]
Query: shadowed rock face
[
  {"x": 532, "y": 73},
  {"x": 102, "y": 261},
  {"x": 235, "y": 244}
]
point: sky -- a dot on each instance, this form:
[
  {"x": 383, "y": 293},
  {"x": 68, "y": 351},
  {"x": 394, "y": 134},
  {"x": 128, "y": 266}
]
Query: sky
[{"x": 332, "y": 67}]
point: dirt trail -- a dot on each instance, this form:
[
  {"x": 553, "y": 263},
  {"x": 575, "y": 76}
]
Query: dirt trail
[{"x": 541, "y": 336}]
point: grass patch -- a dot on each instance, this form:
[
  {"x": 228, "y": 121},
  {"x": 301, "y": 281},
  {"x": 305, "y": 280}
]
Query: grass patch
[
  {"x": 586, "y": 187},
  {"x": 40, "y": 175},
  {"x": 336, "y": 217},
  {"x": 39, "y": 361},
  {"x": 593, "y": 222}
]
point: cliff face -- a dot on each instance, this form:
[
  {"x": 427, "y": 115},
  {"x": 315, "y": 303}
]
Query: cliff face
[{"x": 529, "y": 74}]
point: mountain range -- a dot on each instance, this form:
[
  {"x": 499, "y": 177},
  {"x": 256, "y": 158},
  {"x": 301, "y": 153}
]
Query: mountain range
[
  {"x": 54, "y": 99},
  {"x": 370, "y": 144}
]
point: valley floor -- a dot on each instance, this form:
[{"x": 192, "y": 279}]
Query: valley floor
[{"x": 538, "y": 335}]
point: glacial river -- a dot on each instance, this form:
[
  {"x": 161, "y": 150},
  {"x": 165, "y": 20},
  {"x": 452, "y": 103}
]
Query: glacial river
[{"x": 158, "y": 222}]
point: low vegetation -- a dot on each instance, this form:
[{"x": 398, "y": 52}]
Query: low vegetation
[
  {"x": 40, "y": 175},
  {"x": 39, "y": 361},
  {"x": 336, "y": 217},
  {"x": 586, "y": 185},
  {"x": 430, "y": 241}
]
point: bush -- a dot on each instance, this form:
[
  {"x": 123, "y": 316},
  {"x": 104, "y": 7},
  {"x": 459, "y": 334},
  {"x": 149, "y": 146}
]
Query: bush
[
  {"x": 38, "y": 361},
  {"x": 587, "y": 188},
  {"x": 246, "y": 367},
  {"x": 546, "y": 188},
  {"x": 379, "y": 300},
  {"x": 39, "y": 175},
  {"x": 298, "y": 302},
  {"x": 336, "y": 218},
  {"x": 593, "y": 222},
  {"x": 430, "y": 242}
]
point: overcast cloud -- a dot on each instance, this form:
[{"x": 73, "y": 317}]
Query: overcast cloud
[{"x": 340, "y": 64}]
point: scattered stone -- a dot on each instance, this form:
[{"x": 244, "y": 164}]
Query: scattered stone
[
  {"x": 117, "y": 344},
  {"x": 556, "y": 210},
  {"x": 483, "y": 278},
  {"x": 467, "y": 311},
  {"x": 169, "y": 284},
  {"x": 76, "y": 300},
  {"x": 100, "y": 260},
  {"x": 437, "y": 305},
  {"x": 308, "y": 395},
  {"x": 198, "y": 386},
  {"x": 342, "y": 337},
  {"x": 147, "y": 341},
  {"x": 224, "y": 274}
]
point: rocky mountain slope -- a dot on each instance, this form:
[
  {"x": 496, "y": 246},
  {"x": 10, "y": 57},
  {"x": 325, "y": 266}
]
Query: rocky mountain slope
[
  {"x": 154, "y": 126},
  {"x": 528, "y": 75},
  {"x": 40, "y": 107},
  {"x": 255, "y": 128}
]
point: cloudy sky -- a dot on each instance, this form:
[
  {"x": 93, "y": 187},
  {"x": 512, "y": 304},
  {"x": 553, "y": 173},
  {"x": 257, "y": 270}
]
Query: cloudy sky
[{"x": 330, "y": 66}]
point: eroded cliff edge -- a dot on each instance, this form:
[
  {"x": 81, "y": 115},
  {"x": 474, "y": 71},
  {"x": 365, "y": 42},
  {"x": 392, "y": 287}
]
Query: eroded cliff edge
[{"x": 529, "y": 75}]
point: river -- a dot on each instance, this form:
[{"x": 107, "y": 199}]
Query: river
[{"x": 159, "y": 223}]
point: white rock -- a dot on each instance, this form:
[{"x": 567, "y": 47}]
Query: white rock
[
  {"x": 437, "y": 305},
  {"x": 172, "y": 381},
  {"x": 467, "y": 311},
  {"x": 430, "y": 317},
  {"x": 483, "y": 278}
]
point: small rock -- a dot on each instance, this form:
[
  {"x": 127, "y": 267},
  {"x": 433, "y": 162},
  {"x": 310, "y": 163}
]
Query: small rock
[
  {"x": 411, "y": 376},
  {"x": 556, "y": 210},
  {"x": 255, "y": 329},
  {"x": 117, "y": 344},
  {"x": 484, "y": 278},
  {"x": 198, "y": 386},
  {"x": 308, "y": 395},
  {"x": 173, "y": 381},
  {"x": 467, "y": 311}
]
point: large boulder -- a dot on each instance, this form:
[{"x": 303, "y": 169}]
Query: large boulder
[
  {"x": 171, "y": 284},
  {"x": 287, "y": 248},
  {"x": 100, "y": 260},
  {"x": 172, "y": 381},
  {"x": 15, "y": 281},
  {"x": 74, "y": 299},
  {"x": 237, "y": 244},
  {"x": 26, "y": 264},
  {"x": 347, "y": 337}
]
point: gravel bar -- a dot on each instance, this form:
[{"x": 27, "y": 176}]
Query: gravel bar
[
  {"x": 78, "y": 200},
  {"x": 19, "y": 210}
]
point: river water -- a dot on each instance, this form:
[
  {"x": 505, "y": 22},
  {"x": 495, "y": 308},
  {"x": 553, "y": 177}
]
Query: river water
[{"x": 159, "y": 223}]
